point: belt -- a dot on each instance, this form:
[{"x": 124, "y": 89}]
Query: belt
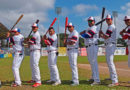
[
  {"x": 50, "y": 51},
  {"x": 71, "y": 48},
  {"x": 35, "y": 50},
  {"x": 91, "y": 45},
  {"x": 19, "y": 51},
  {"x": 109, "y": 43}
]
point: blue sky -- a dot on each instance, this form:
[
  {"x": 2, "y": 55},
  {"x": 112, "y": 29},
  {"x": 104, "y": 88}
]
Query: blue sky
[
  {"x": 76, "y": 10},
  {"x": 79, "y": 20}
]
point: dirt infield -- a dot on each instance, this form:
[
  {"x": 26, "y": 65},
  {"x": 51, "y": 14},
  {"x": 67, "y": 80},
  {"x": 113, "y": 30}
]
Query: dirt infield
[{"x": 122, "y": 68}]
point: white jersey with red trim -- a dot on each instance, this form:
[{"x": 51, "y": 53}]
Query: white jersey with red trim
[
  {"x": 35, "y": 41},
  {"x": 52, "y": 42},
  {"x": 73, "y": 36},
  {"x": 111, "y": 33},
  {"x": 17, "y": 41},
  {"x": 93, "y": 33}
]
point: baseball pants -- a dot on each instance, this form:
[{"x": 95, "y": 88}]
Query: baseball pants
[
  {"x": 34, "y": 62},
  {"x": 110, "y": 49},
  {"x": 92, "y": 58},
  {"x": 18, "y": 57},
  {"x": 52, "y": 64},
  {"x": 72, "y": 54}
]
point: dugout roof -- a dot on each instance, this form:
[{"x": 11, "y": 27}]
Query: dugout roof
[{"x": 3, "y": 31}]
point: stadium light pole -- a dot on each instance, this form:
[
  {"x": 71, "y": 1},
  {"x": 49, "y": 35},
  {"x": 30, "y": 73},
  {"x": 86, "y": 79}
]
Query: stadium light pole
[
  {"x": 115, "y": 15},
  {"x": 58, "y": 12}
]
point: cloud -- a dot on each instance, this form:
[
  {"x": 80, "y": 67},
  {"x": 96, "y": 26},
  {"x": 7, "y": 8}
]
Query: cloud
[
  {"x": 79, "y": 9},
  {"x": 82, "y": 9},
  {"x": 26, "y": 4},
  {"x": 128, "y": 4},
  {"x": 126, "y": 8},
  {"x": 10, "y": 10}
]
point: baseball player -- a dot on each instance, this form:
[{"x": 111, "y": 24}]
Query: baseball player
[
  {"x": 18, "y": 50},
  {"x": 35, "y": 47},
  {"x": 125, "y": 33},
  {"x": 110, "y": 45},
  {"x": 91, "y": 42},
  {"x": 51, "y": 42},
  {"x": 72, "y": 43}
]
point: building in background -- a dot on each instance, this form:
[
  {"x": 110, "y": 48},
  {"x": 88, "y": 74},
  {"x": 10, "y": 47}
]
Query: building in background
[{"x": 3, "y": 31}]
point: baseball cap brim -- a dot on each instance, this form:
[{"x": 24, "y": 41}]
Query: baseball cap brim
[
  {"x": 108, "y": 18},
  {"x": 70, "y": 25},
  {"x": 34, "y": 26},
  {"x": 126, "y": 19}
]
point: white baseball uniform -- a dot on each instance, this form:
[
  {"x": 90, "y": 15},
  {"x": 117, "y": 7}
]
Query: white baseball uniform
[
  {"x": 51, "y": 43},
  {"x": 110, "y": 45},
  {"x": 35, "y": 47},
  {"x": 91, "y": 43},
  {"x": 18, "y": 50},
  {"x": 127, "y": 36},
  {"x": 72, "y": 51}
]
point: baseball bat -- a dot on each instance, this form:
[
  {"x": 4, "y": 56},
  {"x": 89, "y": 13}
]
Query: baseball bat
[
  {"x": 17, "y": 21},
  {"x": 127, "y": 27},
  {"x": 66, "y": 23},
  {"x": 51, "y": 24},
  {"x": 124, "y": 30},
  {"x": 100, "y": 22},
  {"x": 37, "y": 21},
  {"x": 8, "y": 33},
  {"x": 103, "y": 12}
]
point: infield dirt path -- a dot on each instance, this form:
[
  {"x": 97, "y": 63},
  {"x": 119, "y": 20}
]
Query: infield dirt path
[{"x": 121, "y": 67}]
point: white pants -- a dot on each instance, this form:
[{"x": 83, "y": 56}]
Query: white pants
[
  {"x": 34, "y": 62},
  {"x": 129, "y": 56},
  {"x": 73, "y": 53},
  {"x": 16, "y": 65},
  {"x": 92, "y": 58},
  {"x": 110, "y": 49},
  {"x": 52, "y": 61}
]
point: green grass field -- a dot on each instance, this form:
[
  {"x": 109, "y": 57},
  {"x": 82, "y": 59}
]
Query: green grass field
[{"x": 6, "y": 75}]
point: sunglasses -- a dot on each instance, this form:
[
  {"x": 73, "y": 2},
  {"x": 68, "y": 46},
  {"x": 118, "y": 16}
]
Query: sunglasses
[
  {"x": 69, "y": 27},
  {"x": 108, "y": 19},
  {"x": 127, "y": 20},
  {"x": 14, "y": 32},
  {"x": 90, "y": 21},
  {"x": 34, "y": 27}
]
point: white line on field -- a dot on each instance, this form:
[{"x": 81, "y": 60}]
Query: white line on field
[
  {"x": 107, "y": 67},
  {"x": 116, "y": 68}
]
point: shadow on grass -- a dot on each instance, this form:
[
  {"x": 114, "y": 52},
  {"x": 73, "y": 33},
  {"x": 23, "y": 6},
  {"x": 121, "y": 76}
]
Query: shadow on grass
[
  {"x": 6, "y": 83},
  {"x": 68, "y": 82},
  {"x": 122, "y": 84}
]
